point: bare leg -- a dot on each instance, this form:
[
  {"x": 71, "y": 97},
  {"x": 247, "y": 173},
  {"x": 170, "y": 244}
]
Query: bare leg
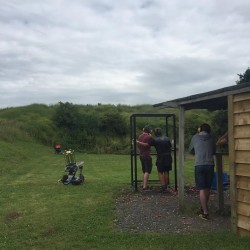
[
  {"x": 204, "y": 196},
  {"x": 166, "y": 177},
  {"x": 145, "y": 179},
  {"x": 161, "y": 178},
  {"x": 207, "y": 192}
]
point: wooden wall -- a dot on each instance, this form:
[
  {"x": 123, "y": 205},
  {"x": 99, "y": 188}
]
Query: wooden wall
[{"x": 239, "y": 155}]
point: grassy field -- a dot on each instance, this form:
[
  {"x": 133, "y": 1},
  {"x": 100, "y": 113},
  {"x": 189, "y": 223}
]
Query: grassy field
[{"x": 39, "y": 213}]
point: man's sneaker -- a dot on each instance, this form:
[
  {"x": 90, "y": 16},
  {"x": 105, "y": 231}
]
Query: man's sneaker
[{"x": 204, "y": 216}]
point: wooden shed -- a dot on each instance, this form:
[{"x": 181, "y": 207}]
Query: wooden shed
[{"x": 236, "y": 100}]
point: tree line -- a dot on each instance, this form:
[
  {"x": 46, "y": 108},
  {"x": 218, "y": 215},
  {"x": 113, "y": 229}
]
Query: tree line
[{"x": 95, "y": 128}]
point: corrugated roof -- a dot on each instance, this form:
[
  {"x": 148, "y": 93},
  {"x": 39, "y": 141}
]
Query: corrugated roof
[{"x": 212, "y": 100}]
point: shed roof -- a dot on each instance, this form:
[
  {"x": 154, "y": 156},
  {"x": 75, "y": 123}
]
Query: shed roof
[{"x": 212, "y": 100}]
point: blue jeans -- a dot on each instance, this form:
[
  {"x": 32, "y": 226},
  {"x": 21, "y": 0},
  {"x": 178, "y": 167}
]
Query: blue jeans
[{"x": 204, "y": 176}]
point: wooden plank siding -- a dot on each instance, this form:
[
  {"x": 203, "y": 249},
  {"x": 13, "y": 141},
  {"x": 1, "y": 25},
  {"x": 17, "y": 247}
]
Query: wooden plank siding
[
  {"x": 240, "y": 131},
  {"x": 241, "y": 97},
  {"x": 242, "y": 156},
  {"x": 243, "y": 170},
  {"x": 242, "y": 143},
  {"x": 243, "y": 106},
  {"x": 242, "y": 118},
  {"x": 244, "y": 222},
  {"x": 243, "y": 208},
  {"x": 243, "y": 195},
  {"x": 243, "y": 183}
]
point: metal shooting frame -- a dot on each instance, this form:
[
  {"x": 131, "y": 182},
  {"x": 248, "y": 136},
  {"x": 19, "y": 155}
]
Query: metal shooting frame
[{"x": 133, "y": 137}]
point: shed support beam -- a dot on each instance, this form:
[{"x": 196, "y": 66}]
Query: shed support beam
[{"x": 231, "y": 148}]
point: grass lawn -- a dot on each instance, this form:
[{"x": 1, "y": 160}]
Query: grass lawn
[{"x": 36, "y": 212}]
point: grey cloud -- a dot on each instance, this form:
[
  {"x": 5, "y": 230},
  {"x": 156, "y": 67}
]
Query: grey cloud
[{"x": 119, "y": 51}]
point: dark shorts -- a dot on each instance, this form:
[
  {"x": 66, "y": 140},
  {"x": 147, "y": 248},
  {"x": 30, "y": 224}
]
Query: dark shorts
[
  {"x": 164, "y": 163},
  {"x": 204, "y": 176},
  {"x": 146, "y": 163}
]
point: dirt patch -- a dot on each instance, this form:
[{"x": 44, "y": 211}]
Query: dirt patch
[
  {"x": 13, "y": 216},
  {"x": 152, "y": 211}
]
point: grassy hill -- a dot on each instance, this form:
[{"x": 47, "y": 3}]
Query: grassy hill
[
  {"x": 87, "y": 128},
  {"x": 94, "y": 128}
]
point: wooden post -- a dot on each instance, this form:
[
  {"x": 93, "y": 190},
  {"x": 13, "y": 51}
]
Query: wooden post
[
  {"x": 231, "y": 151},
  {"x": 219, "y": 171},
  {"x": 181, "y": 152}
]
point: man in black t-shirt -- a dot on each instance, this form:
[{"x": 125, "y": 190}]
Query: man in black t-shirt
[{"x": 163, "y": 146}]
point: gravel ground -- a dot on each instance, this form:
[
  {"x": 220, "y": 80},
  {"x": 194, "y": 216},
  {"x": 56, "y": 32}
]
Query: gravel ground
[{"x": 152, "y": 211}]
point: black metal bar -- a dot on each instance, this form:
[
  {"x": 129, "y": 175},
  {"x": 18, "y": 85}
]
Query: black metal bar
[
  {"x": 135, "y": 153},
  {"x": 152, "y": 115},
  {"x": 167, "y": 127},
  {"x": 175, "y": 158},
  {"x": 167, "y": 134},
  {"x": 131, "y": 152}
]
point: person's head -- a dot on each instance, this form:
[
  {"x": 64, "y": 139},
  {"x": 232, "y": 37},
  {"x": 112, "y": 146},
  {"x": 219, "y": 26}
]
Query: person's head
[
  {"x": 205, "y": 127},
  {"x": 158, "y": 132},
  {"x": 147, "y": 129}
]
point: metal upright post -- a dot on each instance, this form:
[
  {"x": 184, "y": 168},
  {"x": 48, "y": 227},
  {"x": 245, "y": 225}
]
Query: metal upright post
[
  {"x": 135, "y": 152},
  {"x": 175, "y": 157},
  {"x": 167, "y": 126},
  {"x": 131, "y": 152}
]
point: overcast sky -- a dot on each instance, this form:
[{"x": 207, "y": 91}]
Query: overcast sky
[{"x": 119, "y": 51}]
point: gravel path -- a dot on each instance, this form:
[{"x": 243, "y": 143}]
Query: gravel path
[{"x": 152, "y": 211}]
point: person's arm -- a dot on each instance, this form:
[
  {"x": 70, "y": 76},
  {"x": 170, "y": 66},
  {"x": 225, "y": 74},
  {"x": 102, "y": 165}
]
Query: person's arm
[
  {"x": 191, "y": 147},
  {"x": 144, "y": 144},
  {"x": 223, "y": 139}
]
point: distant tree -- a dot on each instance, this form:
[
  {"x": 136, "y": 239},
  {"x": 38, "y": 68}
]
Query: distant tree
[
  {"x": 244, "y": 78},
  {"x": 112, "y": 123},
  {"x": 219, "y": 122},
  {"x": 67, "y": 116}
]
